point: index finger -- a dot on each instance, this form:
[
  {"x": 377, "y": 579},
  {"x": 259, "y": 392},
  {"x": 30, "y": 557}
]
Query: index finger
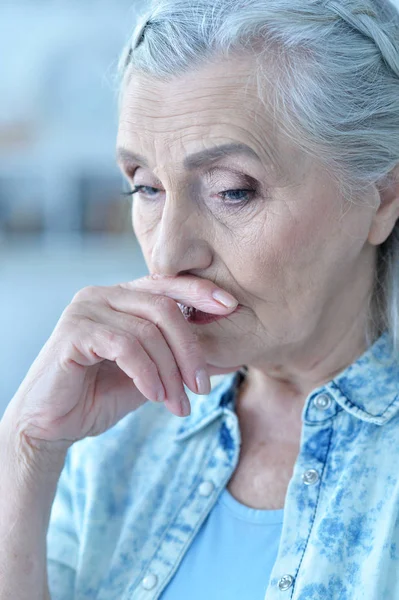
[{"x": 189, "y": 290}]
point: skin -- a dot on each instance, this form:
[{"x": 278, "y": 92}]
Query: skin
[{"x": 297, "y": 256}]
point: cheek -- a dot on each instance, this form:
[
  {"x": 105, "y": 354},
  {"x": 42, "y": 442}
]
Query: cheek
[
  {"x": 310, "y": 233},
  {"x": 286, "y": 251},
  {"x": 144, "y": 226}
]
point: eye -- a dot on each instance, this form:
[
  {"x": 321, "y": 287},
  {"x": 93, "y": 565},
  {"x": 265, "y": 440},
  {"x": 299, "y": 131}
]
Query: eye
[
  {"x": 238, "y": 196},
  {"x": 146, "y": 190},
  {"x": 234, "y": 196}
]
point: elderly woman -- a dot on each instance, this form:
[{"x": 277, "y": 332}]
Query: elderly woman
[{"x": 261, "y": 143}]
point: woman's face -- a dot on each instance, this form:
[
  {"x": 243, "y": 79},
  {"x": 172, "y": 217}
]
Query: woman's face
[{"x": 227, "y": 198}]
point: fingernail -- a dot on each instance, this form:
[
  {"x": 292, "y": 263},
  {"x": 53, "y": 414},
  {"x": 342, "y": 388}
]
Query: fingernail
[
  {"x": 203, "y": 382},
  {"x": 185, "y": 406},
  {"x": 224, "y": 298}
]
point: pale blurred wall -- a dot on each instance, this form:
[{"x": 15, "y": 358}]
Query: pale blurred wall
[
  {"x": 58, "y": 100},
  {"x": 58, "y": 123}
]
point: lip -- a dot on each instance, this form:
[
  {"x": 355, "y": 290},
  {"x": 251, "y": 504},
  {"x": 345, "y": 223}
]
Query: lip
[{"x": 198, "y": 317}]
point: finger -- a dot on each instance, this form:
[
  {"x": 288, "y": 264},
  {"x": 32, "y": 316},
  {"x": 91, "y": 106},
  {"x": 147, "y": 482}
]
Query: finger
[
  {"x": 153, "y": 342},
  {"x": 158, "y": 349},
  {"x": 105, "y": 342},
  {"x": 165, "y": 314},
  {"x": 189, "y": 290}
]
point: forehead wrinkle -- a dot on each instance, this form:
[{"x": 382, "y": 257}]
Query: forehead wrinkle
[
  {"x": 166, "y": 117},
  {"x": 255, "y": 145},
  {"x": 168, "y": 150},
  {"x": 180, "y": 124},
  {"x": 176, "y": 101},
  {"x": 209, "y": 77}
]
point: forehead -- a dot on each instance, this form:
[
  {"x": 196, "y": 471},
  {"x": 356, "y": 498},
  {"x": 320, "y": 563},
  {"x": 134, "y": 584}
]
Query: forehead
[{"x": 217, "y": 103}]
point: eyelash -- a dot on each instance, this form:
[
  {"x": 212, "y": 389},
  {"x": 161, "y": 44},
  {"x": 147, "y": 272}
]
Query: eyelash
[{"x": 252, "y": 193}]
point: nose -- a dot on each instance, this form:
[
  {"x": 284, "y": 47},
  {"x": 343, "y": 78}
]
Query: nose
[{"x": 179, "y": 244}]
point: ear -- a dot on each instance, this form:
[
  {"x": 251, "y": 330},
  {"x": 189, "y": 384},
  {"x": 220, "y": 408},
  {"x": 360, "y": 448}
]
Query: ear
[{"x": 388, "y": 211}]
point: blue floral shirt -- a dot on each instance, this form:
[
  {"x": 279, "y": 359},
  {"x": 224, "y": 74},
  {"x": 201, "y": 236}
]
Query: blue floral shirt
[{"x": 130, "y": 501}]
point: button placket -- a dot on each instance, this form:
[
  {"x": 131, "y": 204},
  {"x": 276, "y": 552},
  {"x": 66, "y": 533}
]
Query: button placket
[
  {"x": 150, "y": 581},
  {"x": 308, "y": 472},
  {"x": 322, "y": 402},
  {"x": 213, "y": 477}
]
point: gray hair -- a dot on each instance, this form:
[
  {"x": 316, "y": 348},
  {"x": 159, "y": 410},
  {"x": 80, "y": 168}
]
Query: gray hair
[{"x": 335, "y": 87}]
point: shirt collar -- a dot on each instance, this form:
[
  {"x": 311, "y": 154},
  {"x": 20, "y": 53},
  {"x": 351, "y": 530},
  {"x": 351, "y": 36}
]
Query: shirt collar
[
  {"x": 367, "y": 389},
  {"x": 205, "y": 409}
]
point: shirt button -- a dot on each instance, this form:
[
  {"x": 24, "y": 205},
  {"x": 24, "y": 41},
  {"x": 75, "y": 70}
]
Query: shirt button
[
  {"x": 206, "y": 488},
  {"x": 285, "y": 582},
  {"x": 310, "y": 477},
  {"x": 322, "y": 402},
  {"x": 149, "y": 582}
]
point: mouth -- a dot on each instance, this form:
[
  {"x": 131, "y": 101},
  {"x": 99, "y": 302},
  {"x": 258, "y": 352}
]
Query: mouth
[{"x": 194, "y": 315}]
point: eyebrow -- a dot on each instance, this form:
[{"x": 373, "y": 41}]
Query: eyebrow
[{"x": 196, "y": 160}]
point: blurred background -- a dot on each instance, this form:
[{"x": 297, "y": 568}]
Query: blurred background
[{"x": 63, "y": 221}]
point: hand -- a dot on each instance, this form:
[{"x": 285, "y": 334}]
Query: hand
[{"x": 114, "y": 348}]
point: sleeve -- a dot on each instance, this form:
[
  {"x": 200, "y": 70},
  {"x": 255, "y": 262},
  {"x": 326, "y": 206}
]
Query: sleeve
[
  {"x": 61, "y": 580},
  {"x": 62, "y": 539}
]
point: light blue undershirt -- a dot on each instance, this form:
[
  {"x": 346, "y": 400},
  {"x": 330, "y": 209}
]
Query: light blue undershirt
[{"x": 231, "y": 556}]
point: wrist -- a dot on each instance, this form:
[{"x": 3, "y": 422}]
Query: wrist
[{"x": 29, "y": 459}]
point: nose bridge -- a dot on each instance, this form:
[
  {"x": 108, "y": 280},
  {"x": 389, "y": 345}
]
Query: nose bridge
[
  {"x": 179, "y": 244},
  {"x": 178, "y": 216}
]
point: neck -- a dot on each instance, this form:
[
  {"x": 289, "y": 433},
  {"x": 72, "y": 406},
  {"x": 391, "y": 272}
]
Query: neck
[{"x": 276, "y": 393}]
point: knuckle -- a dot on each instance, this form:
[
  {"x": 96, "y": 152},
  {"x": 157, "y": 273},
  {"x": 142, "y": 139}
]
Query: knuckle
[
  {"x": 84, "y": 294},
  {"x": 190, "y": 348},
  {"x": 174, "y": 377},
  {"x": 121, "y": 342},
  {"x": 72, "y": 314},
  {"x": 166, "y": 305},
  {"x": 149, "y": 331},
  {"x": 196, "y": 288},
  {"x": 124, "y": 287},
  {"x": 77, "y": 309},
  {"x": 111, "y": 337},
  {"x": 149, "y": 372}
]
